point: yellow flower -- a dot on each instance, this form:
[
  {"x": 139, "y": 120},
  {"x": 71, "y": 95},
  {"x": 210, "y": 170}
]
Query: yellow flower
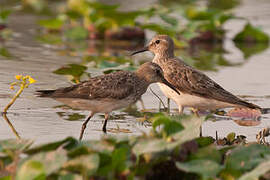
[
  {"x": 18, "y": 77},
  {"x": 31, "y": 80},
  {"x": 11, "y": 87}
]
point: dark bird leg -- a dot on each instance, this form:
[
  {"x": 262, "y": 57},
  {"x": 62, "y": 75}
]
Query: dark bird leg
[
  {"x": 105, "y": 123},
  {"x": 168, "y": 105},
  {"x": 85, "y": 123}
]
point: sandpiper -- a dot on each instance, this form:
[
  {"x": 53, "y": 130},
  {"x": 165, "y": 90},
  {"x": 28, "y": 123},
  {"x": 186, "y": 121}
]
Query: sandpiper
[
  {"x": 103, "y": 94},
  {"x": 196, "y": 89}
]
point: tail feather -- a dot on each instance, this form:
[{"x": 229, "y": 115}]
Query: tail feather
[
  {"x": 44, "y": 93},
  {"x": 265, "y": 110}
]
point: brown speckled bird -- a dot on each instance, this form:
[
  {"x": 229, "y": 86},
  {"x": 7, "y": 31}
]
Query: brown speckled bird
[
  {"x": 106, "y": 93},
  {"x": 196, "y": 89}
]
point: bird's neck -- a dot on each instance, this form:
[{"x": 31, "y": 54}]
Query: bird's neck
[
  {"x": 143, "y": 80},
  {"x": 161, "y": 57}
]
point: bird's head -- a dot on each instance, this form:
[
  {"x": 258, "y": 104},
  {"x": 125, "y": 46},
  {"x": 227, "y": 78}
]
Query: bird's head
[{"x": 161, "y": 45}]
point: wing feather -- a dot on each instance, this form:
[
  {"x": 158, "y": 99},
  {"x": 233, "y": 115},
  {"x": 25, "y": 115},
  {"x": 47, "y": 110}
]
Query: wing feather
[
  {"x": 196, "y": 83},
  {"x": 117, "y": 85}
]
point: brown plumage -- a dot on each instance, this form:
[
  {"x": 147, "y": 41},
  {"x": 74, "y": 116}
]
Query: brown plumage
[
  {"x": 103, "y": 94},
  {"x": 196, "y": 89}
]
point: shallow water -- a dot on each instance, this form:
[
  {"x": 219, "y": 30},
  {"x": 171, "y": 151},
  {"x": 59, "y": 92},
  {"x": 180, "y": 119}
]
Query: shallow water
[{"x": 45, "y": 120}]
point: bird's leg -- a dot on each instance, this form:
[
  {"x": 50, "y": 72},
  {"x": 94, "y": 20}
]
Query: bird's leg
[
  {"x": 168, "y": 105},
  {"x": 180, "y": 109},
  {"x": 142, "y": 104},
  {"x": 105, "y": 123},
  {"x": 85, "y": 123},
  {"x": 195, "y": 111},
  {"x": 201, "y": 131}
]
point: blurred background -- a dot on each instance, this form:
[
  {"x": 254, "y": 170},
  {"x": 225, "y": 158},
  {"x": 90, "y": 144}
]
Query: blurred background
[{"x": 64, "y": 42}]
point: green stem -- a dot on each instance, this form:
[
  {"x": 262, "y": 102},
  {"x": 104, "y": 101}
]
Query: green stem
[{"x": 14, "y": 98}]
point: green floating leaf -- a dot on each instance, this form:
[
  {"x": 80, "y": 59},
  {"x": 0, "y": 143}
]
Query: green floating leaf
[
  {"x": 74, "y": 70},
  {"x": 75, "y": 117},
  {"x": 192, "y": 126},
  {"x": 76, "y": 33},
  {"x": 152, "y": 146},
  {"x": 169, "y": 126},
  {"x": 42, "y": 164},
  {"x": 168, "y": 19},
  {"x": 260, "y": 170},
  {"x": 250, "y": 49},
  {"x": 108, "y": 67},
  {"x": 223, "y": 4},
  {"x": 6, "y": 178},
  {"x": 4, "y": 13},
  {"x": 67, "y": 143},
  {"x": 251, "y": 34},
  {"x": 31, "y": 169},
  {"x": 85, "y": 164},
  {"x": 204, "y": 141},
  {"x": 53, "y": 24},
  {"x": 207, "y": 153},
  {"x": 245, "y": 158},
  {"x": 107, "y": 64},
  {"x": 205, "y": 168},
  {"x": 5, "y": 53},
  {"x": 119, "y": 159},
  {"x": 36, "y": 5},
  {"x": 50, "y": 38}
]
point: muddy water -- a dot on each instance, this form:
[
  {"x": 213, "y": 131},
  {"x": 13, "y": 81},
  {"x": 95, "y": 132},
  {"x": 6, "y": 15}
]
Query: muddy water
[{"x": 45, "y": 119}]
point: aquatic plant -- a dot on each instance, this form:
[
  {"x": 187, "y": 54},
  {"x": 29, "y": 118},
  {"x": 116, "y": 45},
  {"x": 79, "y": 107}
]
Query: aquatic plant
[
  {"x": 23, "y": 82},
  {"x": 171, "y": 150}
]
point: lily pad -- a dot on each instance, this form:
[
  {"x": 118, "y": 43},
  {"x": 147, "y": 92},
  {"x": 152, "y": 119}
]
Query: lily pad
[
  {"x": 74, "y": 70},
  {"x": 85, "y": 164},
  {"x": 76, "y": 33},
  {"x": 66, "y": 143},
  {"x": 250, "y": 49},
  {"x": 4, "y": 14},
  {"x": 205, "y": 168},
  {"x": 251, "y": 34},
  {"x": 207, "y": 153},
  {"x": 52, "y": 24},
  {"x": 42, "y": 164},
  {"x": 150, "y": 145},
  {"x": 169, "y": 126},
  {"x": 244, "y": 158},
  {"x": 260, "y": 170}
]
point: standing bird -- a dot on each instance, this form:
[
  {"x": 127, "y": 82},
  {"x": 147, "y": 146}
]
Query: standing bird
[
  {"x": 196, "y": 89},
  {"x": 106, "y": 93}
]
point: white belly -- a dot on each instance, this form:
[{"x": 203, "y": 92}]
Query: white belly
[
  {"x": 96, "y": 106},
  {"x": 186, "y": 100}
]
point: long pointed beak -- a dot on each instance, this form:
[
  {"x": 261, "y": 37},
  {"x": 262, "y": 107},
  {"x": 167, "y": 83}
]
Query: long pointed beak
[
  {"x": 164, "y": 81},
  {"x": 141, "y": 50}
]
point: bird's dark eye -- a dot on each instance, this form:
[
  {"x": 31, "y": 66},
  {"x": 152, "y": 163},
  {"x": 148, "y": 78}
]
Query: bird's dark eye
[
  {"x": 158, "y": 71},
  {"x": 157, "y": 41}
]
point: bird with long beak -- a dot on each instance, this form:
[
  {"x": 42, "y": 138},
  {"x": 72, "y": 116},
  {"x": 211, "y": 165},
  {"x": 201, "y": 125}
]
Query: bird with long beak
[
  {"x": 196, "y": 89},
  {"x": 106, "y": 93}
]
